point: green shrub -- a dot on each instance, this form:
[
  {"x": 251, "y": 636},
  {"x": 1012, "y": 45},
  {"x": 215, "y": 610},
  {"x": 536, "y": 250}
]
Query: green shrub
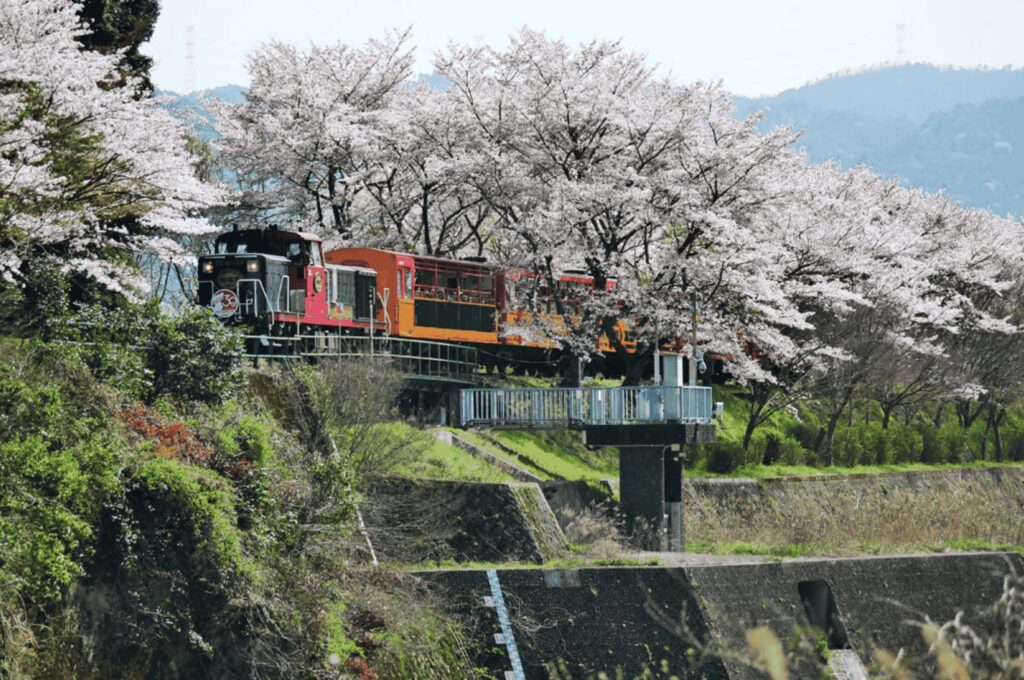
[
  {"x": 58, "y": 465},
  {"x": 1013, "y": 443},
  {"x": 906, "y": 444},
  {"x": 772, "y": 452},
  {"x": 25, "y": 410},
  {"x": 931, "y": 451},
  {"x": 194, "y": 357},
  {"x": 870, "y": 444},
  {"x": 195, "y": 511},
  {"x": 848, "y": 446},
  {"x": 805, "y": 432},
  {"x": 146, "y": 355},
  {"x": 792, "y": 452},
  {"x": 246, "y": 439},
  {"x": 243, "y": 453},
  {"x": 953, "y": 443},
  {"x": 50, "y": 500},
  {"x": 170, "y": 568},
  {"x": 111, "y": 342},
  {"x": 725, "y": 457}
]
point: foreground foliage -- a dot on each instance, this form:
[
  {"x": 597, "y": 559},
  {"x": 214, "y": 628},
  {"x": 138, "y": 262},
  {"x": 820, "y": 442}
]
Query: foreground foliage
[{"x": 204, "y": 535}]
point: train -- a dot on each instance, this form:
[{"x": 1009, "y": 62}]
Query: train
[{"x": 281, "y": 284}]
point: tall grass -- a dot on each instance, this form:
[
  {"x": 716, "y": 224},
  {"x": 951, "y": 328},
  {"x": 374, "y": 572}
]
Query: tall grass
[{"x": 858, "y": 515}]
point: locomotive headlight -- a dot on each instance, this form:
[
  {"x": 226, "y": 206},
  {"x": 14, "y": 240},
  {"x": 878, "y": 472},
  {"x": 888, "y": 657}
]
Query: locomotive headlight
[
  {"x": 252, "y": 266},
  {"x": 208, "y": 267}
]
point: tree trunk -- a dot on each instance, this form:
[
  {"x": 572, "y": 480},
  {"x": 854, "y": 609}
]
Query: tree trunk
[
  {"x": 569, "y": 368},
  {"x": 830, "y": 432},
  {"x": 336, "y": 212},
  {"x": 886, "y": 415},
  {"x": 748, "y": 433},
  {"x": 996, "y": 415},
  {"x": 819, "y": 439},
  {"x": 760, "y": 395},
  {"x": 833, "y": 421},
  {"x": 938, "y": 415},
  {"x": 984, "y": 440},
  {"x": 633, "y": 365}
]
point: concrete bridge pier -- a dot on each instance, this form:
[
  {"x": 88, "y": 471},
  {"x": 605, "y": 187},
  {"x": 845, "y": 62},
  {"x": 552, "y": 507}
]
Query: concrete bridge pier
[
  {"x": 651, "y": 493},
  {"x": 651, "y": 477}
]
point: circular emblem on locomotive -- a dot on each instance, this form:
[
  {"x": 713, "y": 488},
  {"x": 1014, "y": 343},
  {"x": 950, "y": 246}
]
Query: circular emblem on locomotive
[
  {"x": 318, "y": 282},
  {"x": 224, "y": 303}
]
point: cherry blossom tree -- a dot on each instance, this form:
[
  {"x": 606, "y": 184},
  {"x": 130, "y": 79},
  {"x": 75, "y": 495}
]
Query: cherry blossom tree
[
  {"x": 303, "y": 143},
  {"x": 90, "y": 178},
  {"x": 589, "y": 160},
  {"x": 420, "y": 176}
]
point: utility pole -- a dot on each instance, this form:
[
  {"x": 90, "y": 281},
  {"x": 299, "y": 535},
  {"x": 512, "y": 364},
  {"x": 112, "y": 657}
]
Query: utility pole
[
  {"x": 693, "y": 345},
  {"x": 657, "y": 356}
]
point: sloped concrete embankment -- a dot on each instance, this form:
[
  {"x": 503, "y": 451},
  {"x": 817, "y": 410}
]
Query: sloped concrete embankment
[
  {"x": 586, "y": 621},
  {"x": 418, "y": 520}
]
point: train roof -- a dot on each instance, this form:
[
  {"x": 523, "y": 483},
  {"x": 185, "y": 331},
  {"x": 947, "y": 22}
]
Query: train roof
[
  {"x": 434, "y": 258},
  {"x": 270, "y": 235}
]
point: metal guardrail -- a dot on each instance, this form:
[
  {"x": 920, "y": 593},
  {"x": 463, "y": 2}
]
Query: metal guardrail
[
  {"x": 575, "y": 407},
  {"x": 414, "y": 358}
]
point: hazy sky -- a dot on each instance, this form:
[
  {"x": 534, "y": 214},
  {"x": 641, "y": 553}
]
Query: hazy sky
[{"x": 754, "y": 46}]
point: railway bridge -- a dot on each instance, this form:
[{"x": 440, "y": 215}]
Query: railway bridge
[
  {"x": 417, "y": 360},
  {"x": 649, "y": 425}
]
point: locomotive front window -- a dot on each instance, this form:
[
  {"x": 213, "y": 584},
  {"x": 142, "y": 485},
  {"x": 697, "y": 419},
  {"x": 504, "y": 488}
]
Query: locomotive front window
[{"x": 227, "y": 248}]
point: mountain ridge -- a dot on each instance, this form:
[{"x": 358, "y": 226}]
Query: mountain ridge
[{"x": 953, "y": 129}]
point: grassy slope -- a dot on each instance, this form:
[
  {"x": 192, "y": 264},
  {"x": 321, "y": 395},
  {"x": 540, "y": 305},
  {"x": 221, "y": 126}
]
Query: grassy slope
[
  {"x": 446, "y": 461},
  {"x": 561, "y": 454},
  {"x": 521, "y": 461}
]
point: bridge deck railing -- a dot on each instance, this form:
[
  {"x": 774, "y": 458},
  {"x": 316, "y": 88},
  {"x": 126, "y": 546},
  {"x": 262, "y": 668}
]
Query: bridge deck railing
[
  {"x": 582, "y": 406},
  {"x": 413, "y": 357}
]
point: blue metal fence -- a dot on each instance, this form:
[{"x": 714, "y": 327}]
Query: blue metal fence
[{"x": 580, "y": 406}]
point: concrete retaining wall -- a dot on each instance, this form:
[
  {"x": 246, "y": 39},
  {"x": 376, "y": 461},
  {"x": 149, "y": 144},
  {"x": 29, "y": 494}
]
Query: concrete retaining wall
[
  {"x": 780, "y": 491},
  {"x": 577, "y": 623},
  {"x": 735, "y": 509},
  {"x": 417, "y": 520}
]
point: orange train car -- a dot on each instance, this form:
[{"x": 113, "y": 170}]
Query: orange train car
[
  {"x": 432, "y": 298},
  {"x": 525, "y": 328}
]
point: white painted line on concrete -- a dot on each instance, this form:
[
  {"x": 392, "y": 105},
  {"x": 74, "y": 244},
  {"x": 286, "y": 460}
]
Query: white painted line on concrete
[{"x": 506, "y": 626}]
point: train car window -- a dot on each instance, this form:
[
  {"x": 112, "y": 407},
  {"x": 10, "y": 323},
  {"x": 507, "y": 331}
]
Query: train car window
[
  {"x": 450, "y": 282},
  {"x": 315, "y": 257}
]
